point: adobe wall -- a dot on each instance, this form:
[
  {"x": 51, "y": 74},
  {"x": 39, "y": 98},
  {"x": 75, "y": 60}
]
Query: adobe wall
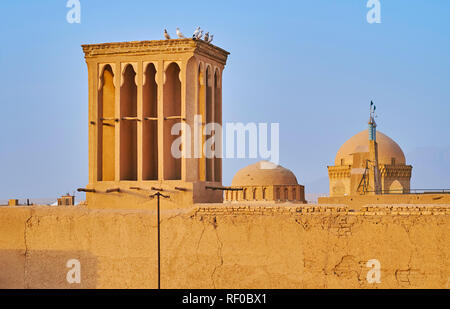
[
  {"x": 358, "y": 201},
  {"x": 227, "y": 246}
]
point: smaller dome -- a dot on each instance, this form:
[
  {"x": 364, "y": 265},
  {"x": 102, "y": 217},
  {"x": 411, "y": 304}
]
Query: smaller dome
[{"x": 264, "y": 173}]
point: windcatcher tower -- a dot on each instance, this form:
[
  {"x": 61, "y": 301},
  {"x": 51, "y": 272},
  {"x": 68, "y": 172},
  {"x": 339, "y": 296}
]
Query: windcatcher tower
[{"x": 143, "y": 100}]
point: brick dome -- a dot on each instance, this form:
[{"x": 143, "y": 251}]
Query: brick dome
[
  {"x": 264, "y": 173},
  {"x": 387, "y": 149}
]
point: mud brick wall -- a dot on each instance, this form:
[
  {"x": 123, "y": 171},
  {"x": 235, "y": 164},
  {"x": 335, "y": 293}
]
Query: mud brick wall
[{"x": 227, "y": 246}]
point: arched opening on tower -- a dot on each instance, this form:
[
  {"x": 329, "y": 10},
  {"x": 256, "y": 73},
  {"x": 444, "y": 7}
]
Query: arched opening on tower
[
  {"x": 218, "y": 135},
  {"x": 209, "y": 119},
  {"x": 128, "y": 125},
  {"x": 286, "y": 194},
  {"x": 150, "y": 125},
  {"x": 396, "y": 187},
  {"x": 201, "y": 111},
  {"x": 172, "y": 115},
  {"x": 106, "y": 128}
]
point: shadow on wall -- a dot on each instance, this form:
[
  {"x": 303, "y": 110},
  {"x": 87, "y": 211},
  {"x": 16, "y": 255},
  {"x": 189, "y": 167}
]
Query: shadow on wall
[{"x": 47, "y": 269}]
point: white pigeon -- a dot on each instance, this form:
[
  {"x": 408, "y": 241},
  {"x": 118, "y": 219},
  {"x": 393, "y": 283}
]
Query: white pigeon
[
  {"x": 196, "y": 32},
  {"x": 211, "y": 37},
  {"x": 206, "y": 37},
  {"x": 199, "y": 35},
  {"x": 179, "y": 34},
  {"x": 166, "y": 35}
]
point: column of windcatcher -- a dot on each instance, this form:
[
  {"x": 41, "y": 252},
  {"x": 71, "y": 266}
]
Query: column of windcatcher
[
  {"x": 218, "y": 120},
  {"x": 209, "y": 151},
  {"x": 143, "y": 100},
  {"x": 128, "y": 124},
  {"x": 172, "y": 117},
  {"x": 150, "y": 124},
  {"x": 210, "y": 113},
  {"x": 106, "y": 128}
]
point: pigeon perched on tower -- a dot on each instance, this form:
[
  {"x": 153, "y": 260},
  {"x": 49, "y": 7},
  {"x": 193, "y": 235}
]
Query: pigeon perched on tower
[
  {"x": 179, "y": 34},
  {"x": 199, "y": 35},
  {"x": 196, "y": 32},
  {"x": 166, "y": 35}
]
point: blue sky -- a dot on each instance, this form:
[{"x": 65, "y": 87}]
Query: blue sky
[{"x": 312, "y": 66}]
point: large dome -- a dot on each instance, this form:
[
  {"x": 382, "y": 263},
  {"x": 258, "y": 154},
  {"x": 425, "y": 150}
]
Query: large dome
[
  {"x": 264, "y": 173},
  {"x": 387, "y": 149}
]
